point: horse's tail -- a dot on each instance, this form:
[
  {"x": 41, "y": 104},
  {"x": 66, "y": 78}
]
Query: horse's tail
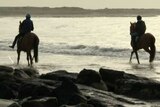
[
  {"x": 153, "y": 50},
  {"x": 36, "y": 43}
]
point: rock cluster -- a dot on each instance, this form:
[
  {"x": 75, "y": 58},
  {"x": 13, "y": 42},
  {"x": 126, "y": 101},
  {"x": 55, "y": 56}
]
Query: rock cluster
[{"x": 88, "y": 88}]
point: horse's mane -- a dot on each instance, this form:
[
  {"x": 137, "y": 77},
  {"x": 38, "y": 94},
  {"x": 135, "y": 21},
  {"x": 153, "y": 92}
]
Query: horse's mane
[
  {"x": 132, "y": 27},
  {"x": 133, "y": 24}
]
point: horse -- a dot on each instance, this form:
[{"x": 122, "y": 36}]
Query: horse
[
  {"x": 27, "y": 43},
  {"x": 146, "y": 42}
]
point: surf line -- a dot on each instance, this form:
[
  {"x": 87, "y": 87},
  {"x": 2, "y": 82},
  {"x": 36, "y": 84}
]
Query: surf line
[{"x": 11, "y": 59}]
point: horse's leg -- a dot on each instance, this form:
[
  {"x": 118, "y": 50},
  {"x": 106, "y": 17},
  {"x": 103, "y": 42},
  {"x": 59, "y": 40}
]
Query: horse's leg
[
  {"x": 147, "y": 50},
  {"x": 28, "y": 58},
  {"x": 31, "y": 59},
  {"x": 131, "y": 56},
  {"x": 18, "y": 58},
  {"x": 150, "y": 53},
  {"x": 137, "y": 57}
]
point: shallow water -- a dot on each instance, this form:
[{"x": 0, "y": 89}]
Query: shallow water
[{"x": 76, "y": 43}]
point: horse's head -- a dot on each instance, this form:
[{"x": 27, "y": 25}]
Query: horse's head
[{"x": 132, "y": 27}]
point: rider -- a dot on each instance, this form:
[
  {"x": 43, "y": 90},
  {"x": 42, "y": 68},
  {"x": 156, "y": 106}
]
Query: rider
[
  {"x": 140, "y": 26},
  {"x": 26, "y": 27},
  {"x": 140, "y": 30}
]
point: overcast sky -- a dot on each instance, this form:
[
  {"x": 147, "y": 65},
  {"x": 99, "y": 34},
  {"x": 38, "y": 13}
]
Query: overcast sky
[{"x": 88, "y": 4}]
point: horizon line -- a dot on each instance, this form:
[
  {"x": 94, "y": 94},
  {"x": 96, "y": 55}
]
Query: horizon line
[{"x": 72, "y": 7}]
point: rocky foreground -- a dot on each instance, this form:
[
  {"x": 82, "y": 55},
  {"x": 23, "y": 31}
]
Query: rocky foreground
[{"x": 88, "y": 88}]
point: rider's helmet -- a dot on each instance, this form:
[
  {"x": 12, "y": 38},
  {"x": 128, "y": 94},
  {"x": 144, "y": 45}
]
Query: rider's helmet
[
  {"x": 28, "y": 16},
  {"x": 139, "y": 17}
]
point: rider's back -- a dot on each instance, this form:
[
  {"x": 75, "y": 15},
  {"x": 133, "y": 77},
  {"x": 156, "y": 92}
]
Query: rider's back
[
  {"x": 140, "y": 27},
  {"x": 27, "y": 26}
]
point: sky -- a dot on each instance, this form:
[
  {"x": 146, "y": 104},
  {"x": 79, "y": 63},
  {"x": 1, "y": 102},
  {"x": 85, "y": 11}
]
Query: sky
[{"x": 87, "y": 4}]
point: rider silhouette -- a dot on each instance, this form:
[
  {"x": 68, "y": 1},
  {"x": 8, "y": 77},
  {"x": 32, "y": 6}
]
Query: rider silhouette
[
  {"x": 140, "y": 30},
  {"x": 26, "y": 27}
]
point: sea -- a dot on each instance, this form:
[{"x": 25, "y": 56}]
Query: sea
[{"x": 77, "y": 43}]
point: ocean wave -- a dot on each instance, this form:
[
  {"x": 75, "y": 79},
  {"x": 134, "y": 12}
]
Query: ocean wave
[
  {"x": 92, "y": 51},
  {"x": 81, "y": 50},
  {"x": 84, "y": 50}
]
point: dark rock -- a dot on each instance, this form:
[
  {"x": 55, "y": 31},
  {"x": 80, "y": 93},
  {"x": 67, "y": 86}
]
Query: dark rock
[
  {"x": 9, "y": 89},
  {"x": 6, "y": 73},
  {"x": 130, "y": 85},
  {"x": 59, "y": 88},
  {"x": 100, "y": 85},
  {"x": 91, "y": 78},
  {"x": 20, "y": 74},
  {"x": 76, "y": 99},
  {"x": 6, "y": 76},
  {"x": 15, "y": 105},
  {"x": 43, "y": 102},
  {"x": 139, "y": 88},
  {"x": 95, "y": 103},
  {"x": 68, "y": 93},
  {"x": 59, "y": 75},
  {"x": 50, "y": 83},
  {"x": 88, "y": 76},
  {"x": 110, "y": 77},
  {"x": 35, "y": 89},
  {"x": 79, "y": 105},
  {"x": 31, "y": 72},
  {"x": 7, "y": 92},
  {"x": 6, "y": 69},
  {"x": 84, "y": 105}
]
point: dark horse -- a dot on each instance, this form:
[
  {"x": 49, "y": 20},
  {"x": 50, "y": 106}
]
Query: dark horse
[
  {"x": 28, "y": 42},
  {"x": 146, "y": 42}
]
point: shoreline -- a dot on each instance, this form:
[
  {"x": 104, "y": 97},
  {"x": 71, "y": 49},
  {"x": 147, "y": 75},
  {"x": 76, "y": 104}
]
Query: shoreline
[{"x": 76, "y": 12}]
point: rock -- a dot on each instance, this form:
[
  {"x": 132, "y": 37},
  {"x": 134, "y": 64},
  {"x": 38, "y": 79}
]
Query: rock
[
  {"x": 15, "y": 105},
  {"x": 8, "y": 90},
  {"x": 6, "y": 76},
  {"x": 59, "y": 75},
  {"x": 140, "y": 88},
  {"x": 20, "y": 74},
  {"x": 68, "y": 93},
  {"x": 30, "y": 90},
  {"x": 91, "y": 78},
  {"x": 96, "y": 103},
  {"x": 43, "y": 102},
  {"x": 100, "y": 85},
  {"x": 110, "y": 77},
  {"x": 88, "y": 76},
  {"x": 6, "y": 73},
  {"x": 34, "y": 89},
  {"x": 131, "y": 85},
  {"x": 31, "y": 72},
  {"x": 6, "y": 69},
  {"x": 84, "y": 105},
  {"x": 79, "y": 105}
]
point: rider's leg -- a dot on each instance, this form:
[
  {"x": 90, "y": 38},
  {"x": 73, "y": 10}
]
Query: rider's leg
[{"x": 15, "y": 40}]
